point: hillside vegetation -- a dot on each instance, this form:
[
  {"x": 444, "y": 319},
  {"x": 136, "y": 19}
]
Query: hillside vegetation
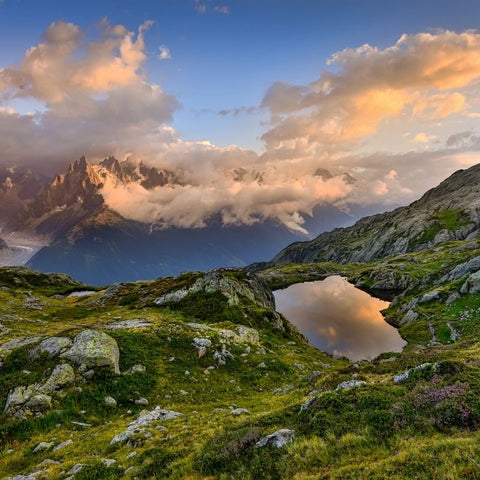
[{"x": 205, "y": 369}]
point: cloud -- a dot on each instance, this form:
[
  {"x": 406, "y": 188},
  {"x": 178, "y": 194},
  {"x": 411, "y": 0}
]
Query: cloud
[
  {"x": 222, "y": 9},
  {"x": 202, "y": 7},
  {"x": 420, "y": 75},
  {"x": 95, "y": 99},
  {"x": 164, "y": 53},
  {"x": 422, "y": 137}
]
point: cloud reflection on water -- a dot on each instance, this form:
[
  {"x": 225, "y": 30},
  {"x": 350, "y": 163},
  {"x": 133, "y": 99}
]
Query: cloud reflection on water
[{"x": 338, "y": 318}]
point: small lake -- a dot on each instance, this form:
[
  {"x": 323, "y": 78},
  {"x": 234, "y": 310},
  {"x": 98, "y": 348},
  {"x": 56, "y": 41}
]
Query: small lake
[{"x": 339, "y": 319}]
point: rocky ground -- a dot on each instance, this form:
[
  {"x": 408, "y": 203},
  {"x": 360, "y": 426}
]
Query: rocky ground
[{"x": 198, "y": 377}]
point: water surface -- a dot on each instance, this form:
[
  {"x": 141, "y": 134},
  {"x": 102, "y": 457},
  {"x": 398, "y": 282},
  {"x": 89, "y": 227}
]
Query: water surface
[{"x": 339, "y": 319}]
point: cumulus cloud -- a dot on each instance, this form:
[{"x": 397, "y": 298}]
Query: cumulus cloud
[
  {"x": 421, "y": 75},
  {"x": 96, "y": 100}
]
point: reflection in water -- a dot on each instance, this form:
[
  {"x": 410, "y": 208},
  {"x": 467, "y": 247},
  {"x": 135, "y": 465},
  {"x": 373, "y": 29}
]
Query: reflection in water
[{"x": 338, "y": 318}]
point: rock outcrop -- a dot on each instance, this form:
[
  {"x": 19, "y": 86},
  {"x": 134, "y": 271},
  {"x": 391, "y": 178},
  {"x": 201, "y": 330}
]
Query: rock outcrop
[{"x": 94, "y": 349}]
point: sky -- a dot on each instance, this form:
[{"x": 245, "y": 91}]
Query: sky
[{"x": 246, "y": 99}]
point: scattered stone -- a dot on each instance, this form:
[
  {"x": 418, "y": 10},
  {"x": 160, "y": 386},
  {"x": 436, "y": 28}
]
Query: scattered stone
[
  {"x": 454, "y": 335},
  {"x": 240, "y": 411},
  {"x": 201, "y": 345},
  {"x": 350, "y": 384},
  {"x": 430, "y": 296},
  {"x": 75, "y": 469},
  {"x": 143, "y": 402},
  {"x": 277, "y": 439},
  {"x": 29, "y": 476},
  {"x": 451, "y": 298},
  {"x": 132, "y": 454},
  {"x": 262, "y": 365},
  {"x": 222, "y": 356},
  {"x": 63, "y": 445},
  {"x": 144, "y": 419},
  {"x": 110, "y": 401},
  {"x": 94, "y": 349},
  {"x": 83, "y": 293},
  {"x": 314, "y": 376},
  {"x": 136, "y": 369},
  {"x": 305, "y": 405},
  {"x": 81, "y": 424},
  {"x": 42, "y": 447},
  {"x": 48, "y": 461},
  {"x": 89, "y": 374},
  {"x": 108, "y": 462},
  {"x": 403, "y": 377},
  {"x": 409, "y": 317},
  {"x": 299, "y": 366},
  {"x": 126, "y": 324}
]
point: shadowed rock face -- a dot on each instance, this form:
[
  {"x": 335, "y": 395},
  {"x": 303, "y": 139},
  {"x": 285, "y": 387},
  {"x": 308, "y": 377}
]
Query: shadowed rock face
[{"x": 450, "y": 211}]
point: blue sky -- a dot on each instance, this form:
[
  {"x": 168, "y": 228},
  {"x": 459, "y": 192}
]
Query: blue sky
[
  {"x": 223, "y": 61},
  {"x": 254, "y": 98}
]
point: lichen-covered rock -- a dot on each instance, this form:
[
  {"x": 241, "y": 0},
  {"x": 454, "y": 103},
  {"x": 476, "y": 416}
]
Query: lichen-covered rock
[
  {"x": 94, "y": 349},
  {"x": 17, "y": 398},
  {"x": 277, "y": 439},
  {"x": 61, "y": 376},
  {"x": 38, "y": 403},
  {"x": 430, "y": 296},
  {"x": 11, "y": 345},
  {"x": 52, "y": 346}
]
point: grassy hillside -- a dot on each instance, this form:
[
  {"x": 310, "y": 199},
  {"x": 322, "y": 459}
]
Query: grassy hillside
[{"x": 212, "y": 348}]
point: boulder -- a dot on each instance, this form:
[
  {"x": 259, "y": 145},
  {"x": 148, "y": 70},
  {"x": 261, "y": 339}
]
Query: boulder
[
  {"x": 52, "y": 346},
  {"x": 94, "y": 349},
  {"x": 110, "y": 401},
  {"x": 409, "y": 317},
  {"x": 350, "y": 384},
  {"x": 472, "y": 284},
  {"x": 42, "y": 447},
  {"x": 144, "y": 419},
  {"x": 61, "y": 376},
  {"x": 277, "y": 439}
]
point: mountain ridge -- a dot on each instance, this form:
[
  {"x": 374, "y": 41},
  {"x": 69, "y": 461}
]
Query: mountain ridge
[{"x": 450, "y": 211}]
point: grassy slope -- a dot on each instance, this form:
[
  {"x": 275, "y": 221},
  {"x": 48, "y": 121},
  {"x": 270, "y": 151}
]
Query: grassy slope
[{"x": 425, "y": 428}]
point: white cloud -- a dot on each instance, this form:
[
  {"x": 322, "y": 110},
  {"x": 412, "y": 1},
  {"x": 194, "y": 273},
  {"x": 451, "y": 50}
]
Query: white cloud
[{"x": 164, "y": 53}]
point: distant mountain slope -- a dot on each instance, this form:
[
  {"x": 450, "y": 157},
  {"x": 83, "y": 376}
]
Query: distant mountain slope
[{"x": 448, "y": 212}]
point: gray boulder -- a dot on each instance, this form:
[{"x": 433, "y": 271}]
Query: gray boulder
[
  {"x": 94, "y": 349},
  {"x": 277, "y": 439},
  {"x": 52, "y": 346},
  {"x": 350, "y": 384},
  {"x": 61, "y": 376},
  {"x": 472, "y": 284},
  {"x": 144, "y": 419}
]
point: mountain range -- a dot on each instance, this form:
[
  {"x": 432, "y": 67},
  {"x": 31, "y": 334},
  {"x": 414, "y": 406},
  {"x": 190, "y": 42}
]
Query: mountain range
[{"x": 83, "y": 236}]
